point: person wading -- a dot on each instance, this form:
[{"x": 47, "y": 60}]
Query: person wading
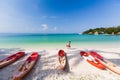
[{"x": 68, "y": 45}]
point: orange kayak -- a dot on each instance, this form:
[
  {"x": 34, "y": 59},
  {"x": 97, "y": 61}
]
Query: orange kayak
[
  {"x": 95, "y": 54},
  {"x": 26, "y": 67},
  {"x": 93, "y": 61},
  {"x": 11, "y": 59},
  {"x": 62, "y": 59},
  {"x": 100, "y": 57},
  {"x": 108, "y": 64}
]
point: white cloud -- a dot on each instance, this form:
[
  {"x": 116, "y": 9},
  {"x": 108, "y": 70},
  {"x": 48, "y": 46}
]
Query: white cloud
[
  {"x": 55, "y": 28},
  {"x": 14, "y": 20},
  {"x": 11, "y": 20},
  {"x": 44, "y": 27}
]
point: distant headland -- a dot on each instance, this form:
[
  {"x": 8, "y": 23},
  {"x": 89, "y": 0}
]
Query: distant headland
[{"x": 105, "y": 31}]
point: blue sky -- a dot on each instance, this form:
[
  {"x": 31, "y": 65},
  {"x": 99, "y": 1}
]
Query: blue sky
[{"x": 57, "y": 16}]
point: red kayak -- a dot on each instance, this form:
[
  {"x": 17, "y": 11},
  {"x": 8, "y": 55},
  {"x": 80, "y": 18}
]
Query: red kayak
[
  {"x": 93, "y": 61},
  {"x": 26, "y": 67},
  {"x": 11, "y": 59},
  {"x": 62, "y": 59},
  {"x": 96, "y": 55},
  {"x": 108, "y": 64}
]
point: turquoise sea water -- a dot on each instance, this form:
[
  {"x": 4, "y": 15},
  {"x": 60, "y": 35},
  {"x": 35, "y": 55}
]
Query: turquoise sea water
[{"x": 21, "y": 40}]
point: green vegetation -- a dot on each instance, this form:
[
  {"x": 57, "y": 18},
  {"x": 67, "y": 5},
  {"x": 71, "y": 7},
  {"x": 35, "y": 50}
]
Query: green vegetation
[{"x": 109, "y": 30}]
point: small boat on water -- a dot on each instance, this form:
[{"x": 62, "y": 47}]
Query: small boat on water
[
  {"x": 93, "y": 61},
  {"x": 62, "y": 60},
  {"x": 11, "y": 59},
  {"x": 26, "y": 67}
]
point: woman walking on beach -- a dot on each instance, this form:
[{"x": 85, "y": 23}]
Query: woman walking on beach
[{"x": 68, "y": 45}]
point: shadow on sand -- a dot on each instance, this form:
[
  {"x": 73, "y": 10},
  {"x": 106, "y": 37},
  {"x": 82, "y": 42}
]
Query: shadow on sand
[
  {"x": 67, "y": 68},
  {"x": 100, "y": 51}
]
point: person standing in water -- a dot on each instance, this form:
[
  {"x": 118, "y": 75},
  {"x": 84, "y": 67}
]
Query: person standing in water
[{"x": 68, "y": 45}]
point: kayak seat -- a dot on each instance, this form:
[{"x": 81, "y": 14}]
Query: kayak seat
[
  {"x": 94, "y": 54},
  {"x": 83, "y": 53},
  {"x": 61, "y": 53}
]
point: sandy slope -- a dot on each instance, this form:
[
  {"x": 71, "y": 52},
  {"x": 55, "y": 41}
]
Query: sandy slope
[{"x": 77, "y": 68}]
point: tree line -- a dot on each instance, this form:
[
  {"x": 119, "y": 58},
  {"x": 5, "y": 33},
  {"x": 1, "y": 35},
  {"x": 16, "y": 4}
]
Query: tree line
[{"x": 109, "y": 30}]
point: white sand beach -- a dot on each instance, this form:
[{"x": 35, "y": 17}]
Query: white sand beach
[{"x": 77, "y": 67}]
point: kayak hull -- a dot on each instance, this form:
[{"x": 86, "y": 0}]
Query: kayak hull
[
  {"x": 95, "y": 54},
  {"x": 95, "y": 62},
  {"x": 23, "y": 71},
  {"x": 11, "y": 59},
  {"x": 98, "y": 64},
  {"x": 98, "y": 56},
  {"x": 62, "y": 60}
]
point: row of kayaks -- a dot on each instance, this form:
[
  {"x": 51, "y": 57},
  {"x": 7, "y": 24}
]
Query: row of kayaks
[
  {"x": 99, "y": 61},
  {"x": 24, "y": 68},
  {"x": 91, "y": 57}
]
